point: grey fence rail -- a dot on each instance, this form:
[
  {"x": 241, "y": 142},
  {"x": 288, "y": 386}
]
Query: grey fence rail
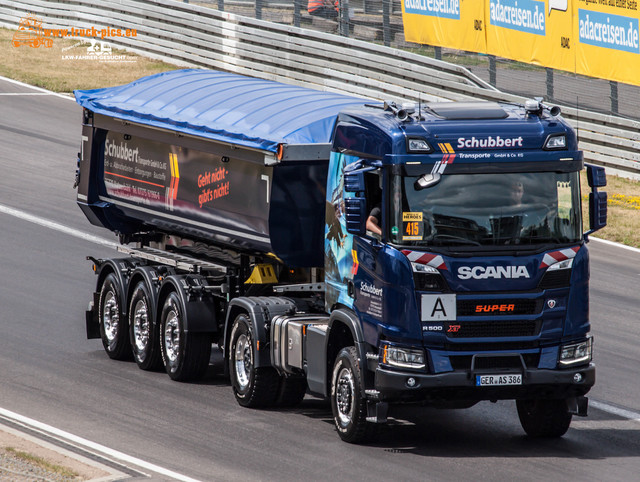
[{"x": 192, "y": 35}]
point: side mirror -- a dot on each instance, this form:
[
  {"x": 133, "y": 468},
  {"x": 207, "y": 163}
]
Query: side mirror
[
  {"x": 597, "y": 211},
  {"x": 355, "y": 215},
  {"x": 596, "y": 178}
]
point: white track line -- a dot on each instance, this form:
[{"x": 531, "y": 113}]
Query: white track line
[
  {"x": 87, "y": 444},
  {"x": 613, "y": 243},
  {"x": 56, "y": 226},
  {"x": 20, "y": 94},
  {"x": 620, "y": 412},
  {"x": 39, "y": 89}
]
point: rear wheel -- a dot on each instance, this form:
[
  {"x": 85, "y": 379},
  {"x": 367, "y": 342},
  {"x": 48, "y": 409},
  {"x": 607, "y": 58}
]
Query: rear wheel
[
  {"x": 145, "y": 341},
  {"x": 113, "y": 325},
  {"x": 185, "y": 355},
  {"x": 347, "y": 404},
  {"x": 253, "y": 386},
  {"x": 544, "y": 418}
]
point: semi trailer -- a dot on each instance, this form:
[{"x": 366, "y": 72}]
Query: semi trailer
[{"x": 370, "y": 253}]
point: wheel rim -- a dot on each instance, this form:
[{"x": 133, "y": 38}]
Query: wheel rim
[
  {"x": 172, "y": 336},
  {"x": 345, "y": 394},
  {"x": 110, "y": 316},
  {"x": 243, "y": 361},
  {"x": 141, "y": 325}
]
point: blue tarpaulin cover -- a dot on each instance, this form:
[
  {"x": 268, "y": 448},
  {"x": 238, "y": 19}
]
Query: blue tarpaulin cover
[{"x": 225, "y": 107}]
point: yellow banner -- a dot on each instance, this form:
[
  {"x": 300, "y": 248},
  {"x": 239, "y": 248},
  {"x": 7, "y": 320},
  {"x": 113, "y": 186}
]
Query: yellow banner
[
  {"x": 599, "y": 38},
  {"x": 607, "y": 43},
  {"x": 445, "y": 23},
  {"x": 528, "y": 31}
]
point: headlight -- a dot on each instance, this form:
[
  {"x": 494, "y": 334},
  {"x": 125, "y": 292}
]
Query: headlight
[
  {"x": 402, "y": 357},
  {"x": 423, "y": 268},
  {"x": 418, "y": 145},
  {"x": 565, "y": 264},
  {"x": 576, "y": 353},
  {"x": 556, "y": 142}
]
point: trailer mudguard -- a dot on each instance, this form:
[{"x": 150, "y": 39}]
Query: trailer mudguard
[
  {"x": 121, "y": 269},
  {"x": 148, "y": 274},
  {"x": 199, "y": 311},
  {"x": 261, "y": 311}
]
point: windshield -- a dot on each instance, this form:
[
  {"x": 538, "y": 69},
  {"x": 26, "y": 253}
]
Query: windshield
[{"x": 487, "y": 210}]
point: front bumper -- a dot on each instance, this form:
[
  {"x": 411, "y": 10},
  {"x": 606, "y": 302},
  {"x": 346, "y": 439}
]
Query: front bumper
[{"x": 459, "y": 385}]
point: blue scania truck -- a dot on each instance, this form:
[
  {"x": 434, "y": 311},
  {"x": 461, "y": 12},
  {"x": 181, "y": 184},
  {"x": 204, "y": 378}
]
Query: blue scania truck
[{"x": 370, "y": 253}]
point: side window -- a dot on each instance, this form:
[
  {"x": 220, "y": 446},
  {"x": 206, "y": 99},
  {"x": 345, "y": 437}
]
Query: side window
[{"x": 373, "y": 192}]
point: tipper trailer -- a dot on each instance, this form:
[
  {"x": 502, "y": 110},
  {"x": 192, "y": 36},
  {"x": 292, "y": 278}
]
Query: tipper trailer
[{"x": 370, "y": 253}]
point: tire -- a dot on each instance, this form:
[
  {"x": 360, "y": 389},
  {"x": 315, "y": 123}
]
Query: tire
[
  {"x": 114, "y": 331},
  {"x": 291, "y": 391},
  {"x": 143, "y": 331},
  {"x": 185, "y": 355},
  {"x": 254, "y": 387},
  {"x": 348, "y": 407},
  {"x": 544, "y": 418}
]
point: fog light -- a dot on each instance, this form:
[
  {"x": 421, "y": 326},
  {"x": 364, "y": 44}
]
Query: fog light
[
  {"x": 411, "y": 382},
  {"x": 577, "y": 378}
]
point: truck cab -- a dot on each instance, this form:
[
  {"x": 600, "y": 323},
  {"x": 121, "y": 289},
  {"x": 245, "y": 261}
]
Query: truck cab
[{"x": 475, "y": 286}]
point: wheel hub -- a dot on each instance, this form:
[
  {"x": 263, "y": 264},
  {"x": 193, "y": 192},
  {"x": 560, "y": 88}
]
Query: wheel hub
[
  {"x": 110, "y": 316},
  {"x": 345, "y": 393},
  {"x": 243, "y": 360},
  {"x": 172, "y": 336},
  {"x": 141, "y": 325}
]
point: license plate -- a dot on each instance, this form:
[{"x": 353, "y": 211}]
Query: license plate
[{"x": 497, "y": 380}]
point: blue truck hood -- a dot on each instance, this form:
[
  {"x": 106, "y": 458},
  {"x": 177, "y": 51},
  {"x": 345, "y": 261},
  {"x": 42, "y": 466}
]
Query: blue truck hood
[{"x": 225, "y": 107}]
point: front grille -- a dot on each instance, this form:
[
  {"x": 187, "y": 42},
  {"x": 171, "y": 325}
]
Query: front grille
[
  {"x": 463, "y": 362},
  {"x": 519, "y": 306},
  {"x": 555, "y": 279},
  {"x": 493, "y": 329},
  {"x": 509, "y": 345}
]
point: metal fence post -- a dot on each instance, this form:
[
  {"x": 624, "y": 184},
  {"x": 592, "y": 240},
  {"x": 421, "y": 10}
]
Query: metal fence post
[
  {"x": 296, "y": 12},
  {"x": 221, "y": 5},
  {"x": 614, "y": 97},
  {"x": 549, "y": 83},
  {"x": 259, "y": 9},
  {"x": 492, "y": 70},
  {"x": 386, "y": 22},
  {"x": 344, "y": 18},
  {"x": 438, "y": 52}
]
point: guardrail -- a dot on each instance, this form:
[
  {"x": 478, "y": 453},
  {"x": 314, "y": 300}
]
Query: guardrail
[{"x": 191, "y": 35}]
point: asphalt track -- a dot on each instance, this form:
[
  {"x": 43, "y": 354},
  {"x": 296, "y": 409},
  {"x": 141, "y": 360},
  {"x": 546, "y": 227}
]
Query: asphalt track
[{"x": 53, "y": 377}]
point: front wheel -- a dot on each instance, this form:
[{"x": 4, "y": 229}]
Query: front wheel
[
  {"x": 347, "y": 404},
  {"x": 185, "y": 355},
  {"x": 544, "y": 418},
  {"x": 252, "y": 386},
  {"x": 113, "y": 324}
]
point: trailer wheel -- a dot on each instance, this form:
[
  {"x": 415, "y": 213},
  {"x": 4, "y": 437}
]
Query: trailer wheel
[
  {"x": 253, "y": 387},
  {"x": 291, "y": 391},
  {"x": 113, "y": 325},
  {"x": 348, "y": 407},
  {"x": 143, "y": 332},
  {"x": 185, "y": 355},
  {"x": 544, "y": 418}
]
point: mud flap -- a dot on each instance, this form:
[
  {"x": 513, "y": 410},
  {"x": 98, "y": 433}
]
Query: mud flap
[
  {"x": 578, "y": 406},
  {"x": 91, "y": 318}
]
